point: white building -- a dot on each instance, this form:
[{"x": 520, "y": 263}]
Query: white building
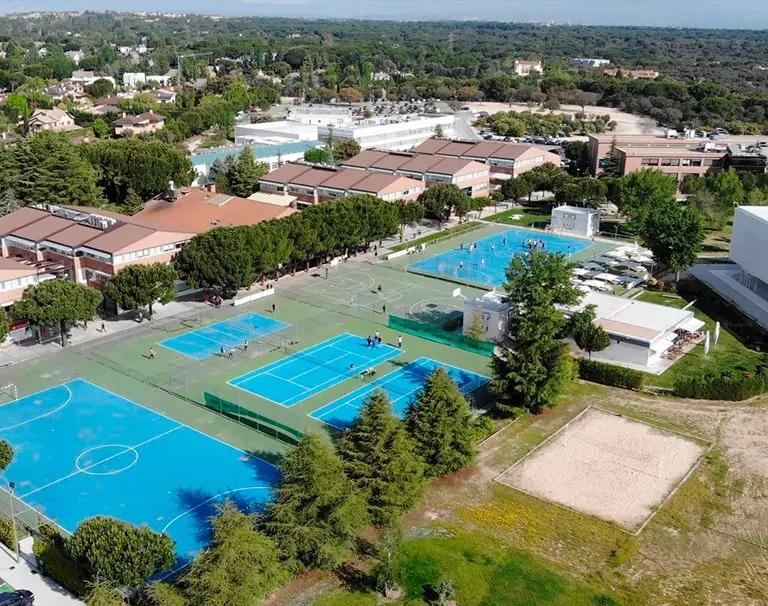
[
  {"x": 320, "y": 115},
  {"x": 640, "y": 332},
  {"x": 575, "y": 221},
  {"x": 271, "y": 133},
  {"x": 134, "y": 79},
  {"x": 526, "y": 68},
  {"x": 398, "y": 134},
  {"x": 589, "y": 62},
  {"x": 490, "y": 314}
]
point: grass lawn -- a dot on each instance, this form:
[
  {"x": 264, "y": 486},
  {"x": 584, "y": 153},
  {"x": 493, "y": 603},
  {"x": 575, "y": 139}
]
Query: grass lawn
[
  {"x": 729, "y": 354},
  {"x": 719, "y": 240},
  {"x": 532, "y": 216},
  {"x": 439, "y": 235},
  {"x": 485, "y": 572}
]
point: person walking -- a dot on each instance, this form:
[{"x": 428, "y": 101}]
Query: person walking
[
  {"x": 400, "y": 341},
  {"x": 151, "y": 354},
  {"x": 245, "y": 345},
  {"x": 273, "y": 308}
]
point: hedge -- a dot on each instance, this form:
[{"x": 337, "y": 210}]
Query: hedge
[
  {"x": 726, "y": 385},
  {"x": 51, "y": 552},
  {"x": 608, "y": 374}
]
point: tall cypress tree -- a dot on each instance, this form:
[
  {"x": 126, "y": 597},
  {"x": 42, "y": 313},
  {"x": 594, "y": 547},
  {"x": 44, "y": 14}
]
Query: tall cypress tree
[
  {"x": 318, "y": 510},
  {"x": 440, "y": 422},
  {"x": 380, "y": 458}
]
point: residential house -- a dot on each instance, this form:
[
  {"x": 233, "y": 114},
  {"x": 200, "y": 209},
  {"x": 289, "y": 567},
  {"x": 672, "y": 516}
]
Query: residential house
[
  {"x": 526, "y": 68},
  {"x": 51, "y": 119},
  {"x": 589, "y": 62},
  {"x": 145, "y": 123},
  {"x": 134, "y": 79},
  {"x": 164, "y": 95},
  {"x": 66, "y": 90},
  {"x": 634, "y": 74}
]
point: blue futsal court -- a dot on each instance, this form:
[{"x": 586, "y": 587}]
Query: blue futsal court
[
  {"x": 313, "y": 370},
  {"x": 486, "y": 265},
  {"x": 82, "y": 451},
  {"x": 205, "y": 341},
  {"x": 401, "y": 386}
]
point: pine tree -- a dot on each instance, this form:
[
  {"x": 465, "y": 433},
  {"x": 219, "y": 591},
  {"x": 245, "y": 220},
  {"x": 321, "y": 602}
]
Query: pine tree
[
  {"x": 439, "y": 420},
  {"x": 318, "y": 510},
  {"x": 244, "y": 173},
  {"x": 380, "y": 458}
]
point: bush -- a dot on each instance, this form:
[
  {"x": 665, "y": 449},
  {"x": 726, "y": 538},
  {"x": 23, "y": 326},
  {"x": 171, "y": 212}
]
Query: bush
[
  {"x": 608, "y": 374},
  {"x": 6, "y": 532},
  {"x": 484, "y": 427},
  {"x": 55, "y": 561},
  {"x": 726, "y": 385}
]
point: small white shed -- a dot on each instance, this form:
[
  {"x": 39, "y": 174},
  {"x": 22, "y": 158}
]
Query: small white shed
[
  {"x": 575, "y": 221},
  {"x": 487, "y": 317}
]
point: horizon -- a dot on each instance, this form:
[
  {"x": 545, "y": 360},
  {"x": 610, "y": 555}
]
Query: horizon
[{"x": 708, "y": 14}]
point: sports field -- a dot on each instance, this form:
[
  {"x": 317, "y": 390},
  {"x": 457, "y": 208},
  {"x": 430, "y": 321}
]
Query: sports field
[
  {"x": 401, "y": 386},
  {"x": 315, "y": 369},
  {"x": 217, "y": 337},
  {"x": 82, "y": 450}
]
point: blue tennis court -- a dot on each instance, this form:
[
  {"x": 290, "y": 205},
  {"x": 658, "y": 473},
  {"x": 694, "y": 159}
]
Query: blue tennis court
[
  {"x": 401, "y": 386},
  {"x": 82, "y": 451},
  {"x": 487, "y": 263},
  {"x": 313, "y": 370},
  {"x": 205, "y": 341}
]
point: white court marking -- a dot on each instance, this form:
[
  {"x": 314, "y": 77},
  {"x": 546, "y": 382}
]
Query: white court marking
[
  {"x": 213, "y": 498},
  {"x": 123, "y": 449},
  {"x": 42, "y": 416}
]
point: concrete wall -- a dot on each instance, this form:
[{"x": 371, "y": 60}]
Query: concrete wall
[{"x": 749, "y": 243}]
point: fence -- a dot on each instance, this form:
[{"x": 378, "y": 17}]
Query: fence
[
  {"x": 439, "y": 334},
  {"x": 252, "y": 419}
]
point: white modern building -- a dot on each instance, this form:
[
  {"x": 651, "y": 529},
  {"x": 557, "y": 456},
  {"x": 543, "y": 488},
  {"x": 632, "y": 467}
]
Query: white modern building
[
  {"x": 490, "y": 314},
  {"x": 744, "y": 281},
  {"x": 274, "y": 133},
  {"x": 589, "y": 62},
  {"x": 575, "y": 221},
  {"x": 134, "y": 79},
  {"x": 526, "y": 68},
  {"x": 641, "y": 333},
  {"x": 392, "y": 133},
  {"x": 320, "y": 115}
]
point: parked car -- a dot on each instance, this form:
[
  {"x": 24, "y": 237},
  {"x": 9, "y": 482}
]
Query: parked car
[{"x": 20, "y": 597}]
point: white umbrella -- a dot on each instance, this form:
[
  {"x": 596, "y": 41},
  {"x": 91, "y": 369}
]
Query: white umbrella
[
  {"x": 592, "y": 266},
  {"x": 597, "y": 284},
  {"x": 612, "y": 278},
  {"x": 580, "y": 271}
]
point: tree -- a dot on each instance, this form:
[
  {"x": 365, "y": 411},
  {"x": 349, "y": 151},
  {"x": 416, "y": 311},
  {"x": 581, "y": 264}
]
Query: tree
[
  {"x": 144, "y": 166},
  {"x": 389, "y": 574},
  {"x": 532, "y": 374},
  {"x": 241, "y": 565},
  {"x": 218, "y": 259},
  {"x": 728, "y": 192},
  {"x": 244, "y": 172},
  {"x": 317, "y": 155},
  {"x": 675, "y": 234},
  {"x": 440, "y": 422},
  {"x": 317, "y": 510},
  {"x": 6, "y": 455},
  {"x": 8, "y": 202},
  {"x": 61, "y": 302},
  {"x": 5, "y": 324},
  {"x": 380, "y": 458},
  {"x": 118, "y": 552},
  {"x": 350, "y": 95},
  {"x": 137, "y": 286},
  {"x": 476, "y": 329},
  {"x": 514, "y": 189},
  {"x": 409, "y": 213},
  {"x": 439, "y": 133},
  {"x": 640, "y": 191},
  {"x": 101, "y": 127},
  {"x": 48, "y": 169},
  {"x": 592, "y": 338},
  {"x": 101, "y": 593},
  {"x": 100, "y": 88},
  {"x": 345, "y": 149},
  {"x": 439, "y": 200}
]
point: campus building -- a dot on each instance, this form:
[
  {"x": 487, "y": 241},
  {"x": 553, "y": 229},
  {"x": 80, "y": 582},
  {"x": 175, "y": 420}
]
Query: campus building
[
  {"x": 314, "y": 185},
  {"x": 678, "y": 156},
  {"x": 391, "y": 132},
  {"x": 90, "y": 245},
  {"x": 469, "y": 175},
  {"x": 274, "y": 133},
  {"x": 506, "y": 160}
]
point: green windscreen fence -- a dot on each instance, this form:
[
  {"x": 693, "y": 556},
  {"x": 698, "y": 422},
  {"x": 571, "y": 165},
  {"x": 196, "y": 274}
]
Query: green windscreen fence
[
  {"x": 259, "y": 422},
  {"x": 440, "y": 335}
]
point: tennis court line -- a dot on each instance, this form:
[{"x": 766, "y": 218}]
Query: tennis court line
[
  {"x": 43, "y": 415},
  {"x": 280, "y": 363}
]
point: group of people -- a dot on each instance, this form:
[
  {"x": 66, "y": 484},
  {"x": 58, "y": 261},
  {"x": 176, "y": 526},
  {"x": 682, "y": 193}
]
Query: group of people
[
  {"x": 229, "y": 352},
  {"x": 533, "y": 244},
  {"x": 375, "y": 340}
]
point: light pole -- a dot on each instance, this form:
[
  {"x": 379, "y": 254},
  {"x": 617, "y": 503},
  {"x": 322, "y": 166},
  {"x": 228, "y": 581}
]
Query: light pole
[{"x": 11, "y": 487}]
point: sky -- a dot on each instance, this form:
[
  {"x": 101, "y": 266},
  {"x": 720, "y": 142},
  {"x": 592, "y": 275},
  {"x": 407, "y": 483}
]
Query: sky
[{"x": 734, "y": 14}]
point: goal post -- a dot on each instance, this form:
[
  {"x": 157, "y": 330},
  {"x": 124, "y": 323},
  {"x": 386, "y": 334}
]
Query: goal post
[{"x": 11, "y": 391}]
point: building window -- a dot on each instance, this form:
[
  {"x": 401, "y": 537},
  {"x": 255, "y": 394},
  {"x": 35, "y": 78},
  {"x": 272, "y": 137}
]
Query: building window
[
  {"x": 670, "y": 162},
  {"x": 649, "y": 161}
]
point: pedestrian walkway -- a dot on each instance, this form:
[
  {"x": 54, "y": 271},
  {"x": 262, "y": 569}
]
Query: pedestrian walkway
[{"x": 25, "y": 575}]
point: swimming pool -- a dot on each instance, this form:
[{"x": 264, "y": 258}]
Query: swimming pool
[{"x": 484, "y": 262}]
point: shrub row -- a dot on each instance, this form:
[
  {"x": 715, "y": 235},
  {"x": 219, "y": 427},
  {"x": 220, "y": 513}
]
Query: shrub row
[
  {"x": 726, "y": 385},
  {"x": 51, "y": 552},
  {"x": 6, "y": 532},
  {"x": 608, "y": 374}
]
